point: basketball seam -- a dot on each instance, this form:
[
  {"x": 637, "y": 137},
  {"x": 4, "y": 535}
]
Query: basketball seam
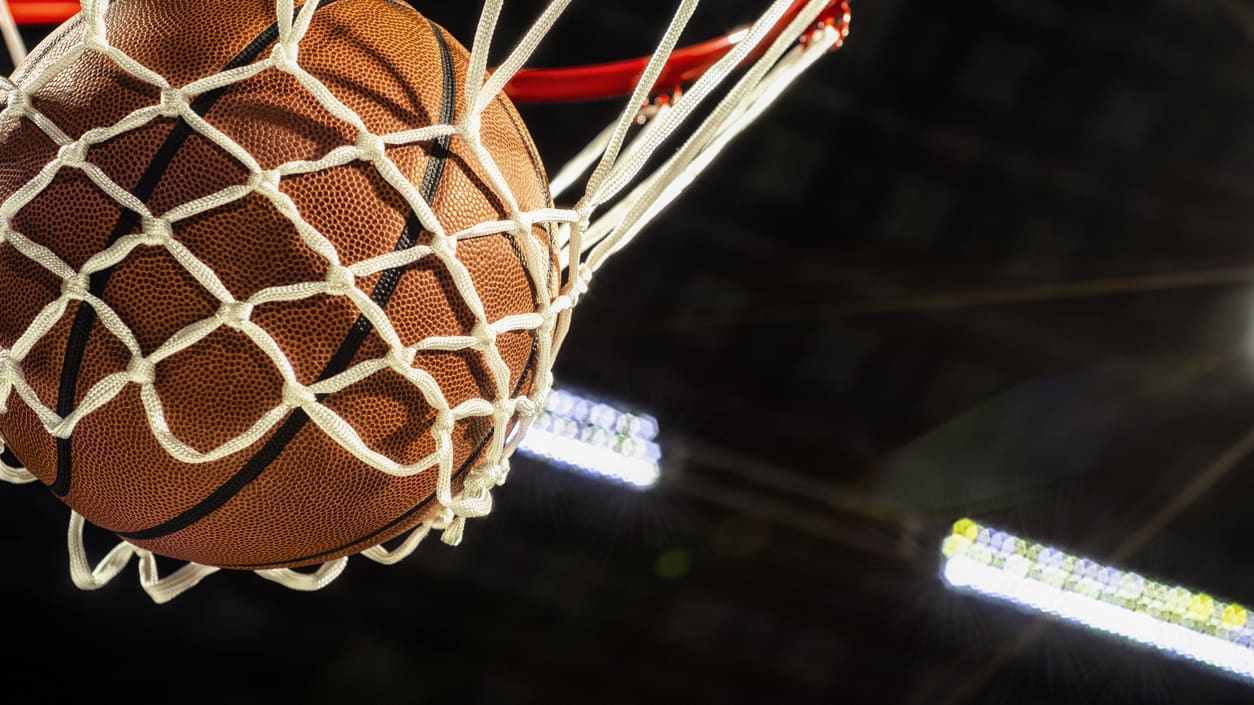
[
  {"x": 522, "y": 381},
  {"x": 85, "y": 315},
  {"x": 349, "y": 347}
]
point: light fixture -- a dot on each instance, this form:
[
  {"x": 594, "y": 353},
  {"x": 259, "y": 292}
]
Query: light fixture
[
  {"x": 595, "y": 438},
  {"x": 1176, "y": 620}
]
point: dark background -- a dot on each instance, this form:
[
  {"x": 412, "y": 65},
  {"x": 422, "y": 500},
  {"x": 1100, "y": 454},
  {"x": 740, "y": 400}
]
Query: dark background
[{"x": 991, "y": 259}]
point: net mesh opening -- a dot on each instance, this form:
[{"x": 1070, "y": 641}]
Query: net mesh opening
[{"x": 612, "y": 189}]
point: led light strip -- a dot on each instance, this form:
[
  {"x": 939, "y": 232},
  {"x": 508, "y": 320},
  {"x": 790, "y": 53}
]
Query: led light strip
[
  {"x": 1188, "y": 624},
  {"x": 595, "y": 438}
]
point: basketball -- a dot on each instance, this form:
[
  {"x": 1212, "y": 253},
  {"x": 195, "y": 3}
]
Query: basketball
[{"x": 294, "y": 496}]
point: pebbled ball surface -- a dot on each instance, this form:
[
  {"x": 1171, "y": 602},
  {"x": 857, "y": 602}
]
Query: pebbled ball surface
[{"x": 314, "y": 502}]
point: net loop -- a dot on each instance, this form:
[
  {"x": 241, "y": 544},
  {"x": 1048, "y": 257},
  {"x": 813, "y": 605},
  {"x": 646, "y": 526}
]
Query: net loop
[
  {"x": 382, "y": 555},
  {"x": 11, "y": 474},
  {"x": 93, "y": 577},
  {"x": 307, "y": 582},
  {"x": 631, "y": 175}
]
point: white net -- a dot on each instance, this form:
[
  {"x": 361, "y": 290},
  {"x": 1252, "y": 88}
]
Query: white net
[{"x": 625, "y": 183}]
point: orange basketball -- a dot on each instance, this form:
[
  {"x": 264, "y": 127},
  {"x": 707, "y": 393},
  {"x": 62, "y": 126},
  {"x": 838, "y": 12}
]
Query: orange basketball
[{"x": 295, "y": 497}]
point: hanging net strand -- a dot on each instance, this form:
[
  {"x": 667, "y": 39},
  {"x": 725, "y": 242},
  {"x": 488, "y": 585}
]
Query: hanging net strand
[
  {"x": 628, "y": 183},
  {"x": 9, "y": 32}
]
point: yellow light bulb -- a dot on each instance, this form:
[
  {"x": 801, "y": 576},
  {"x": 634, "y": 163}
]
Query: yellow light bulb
[
  {"x": 1234, "y": 616},
  {"x": 967, "y": 529},
  {"x": 1201, "y": 607}
]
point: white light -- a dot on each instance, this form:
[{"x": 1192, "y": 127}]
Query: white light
[
  {"x": 596, "y": 438},
  {"x": 1120, "y": 608},
  {"x": 596, "y": 460}
]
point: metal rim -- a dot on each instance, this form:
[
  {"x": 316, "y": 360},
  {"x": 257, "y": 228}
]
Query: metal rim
[{"x": 556, "y": 85}]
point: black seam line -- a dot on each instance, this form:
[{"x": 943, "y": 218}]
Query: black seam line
[
  {"x": 352, "y": 342},
  {"x": 522, "y": 382},
  {"x": 85, "y": 316}
]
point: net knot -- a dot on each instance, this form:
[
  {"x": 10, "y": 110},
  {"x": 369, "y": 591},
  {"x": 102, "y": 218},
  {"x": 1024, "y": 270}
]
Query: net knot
[
  {"x": 96, "y": 39},
  {"x": 444, "y": 246},
  {"x": 73, "y": 155},
  {"x": 340, "y": 280},
  {"x": 484, "y": 335},
  {"x": 173, "y": 102},
  {"x": 579, "y": 286},
  {"x": 443, "y": 424},
  {"x": 141, "y": 371},
  {"x": 443, "y": 518},
  {"x": 469, "y": 127},
  {"x": 372, "y": 147},
  {"x": 523, "y": 222},
  {"x": 285, "y": 56},
  {"x": 485, "y": 477},
  {"x": 454, "y": 532},
  {"x": 297, "y": 396},
  {"x": 264, "y": 181},
  {"x": 18, "y": 103},
  {"x": 8, "y": 366},
  {"x": 527, "y": 408},
  {"x": 156, "y": 231},
  {"x": 502, "y": 472},
  {"x": 76, "y": 288},
  {"x": 234, "y": 314},
  {"x": 402, "y": 360}
]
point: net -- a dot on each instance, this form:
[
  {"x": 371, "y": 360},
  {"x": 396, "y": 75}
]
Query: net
[{"x": 614, "y": 188}]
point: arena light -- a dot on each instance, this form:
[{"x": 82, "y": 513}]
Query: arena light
[
  {"x": 592, "y": 437},
  {"x": 1173, "y": 619}
]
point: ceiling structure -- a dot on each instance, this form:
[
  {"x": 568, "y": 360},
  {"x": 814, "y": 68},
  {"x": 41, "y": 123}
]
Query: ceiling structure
[{"x": 991, "y": 259}]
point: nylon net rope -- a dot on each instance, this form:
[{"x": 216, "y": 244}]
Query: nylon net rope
[{"x": 619, "y": 183}]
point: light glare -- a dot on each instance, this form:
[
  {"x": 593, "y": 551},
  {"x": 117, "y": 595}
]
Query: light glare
[
  {"x": 596, "y": 460},
  {"x": 1172, "y": 619},
  {"x": 597, "y": 439}
]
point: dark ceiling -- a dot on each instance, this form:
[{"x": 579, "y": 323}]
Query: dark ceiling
[{"x": 991, "y": 259}]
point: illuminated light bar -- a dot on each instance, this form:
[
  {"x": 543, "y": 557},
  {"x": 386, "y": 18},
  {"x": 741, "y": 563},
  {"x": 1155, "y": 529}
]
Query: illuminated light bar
[
  {"x": 1173, "y": 619},
  {"x": 596, "y": 439}
]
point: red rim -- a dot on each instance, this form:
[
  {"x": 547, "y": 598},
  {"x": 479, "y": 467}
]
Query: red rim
[
  {"x": 28, "y": 12},
  {"x": 598, "y": 81}
]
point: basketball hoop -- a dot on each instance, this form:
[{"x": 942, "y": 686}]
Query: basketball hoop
[
  {"x": 556, "y": 85},
  {"x": 699, "y": 97}
]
